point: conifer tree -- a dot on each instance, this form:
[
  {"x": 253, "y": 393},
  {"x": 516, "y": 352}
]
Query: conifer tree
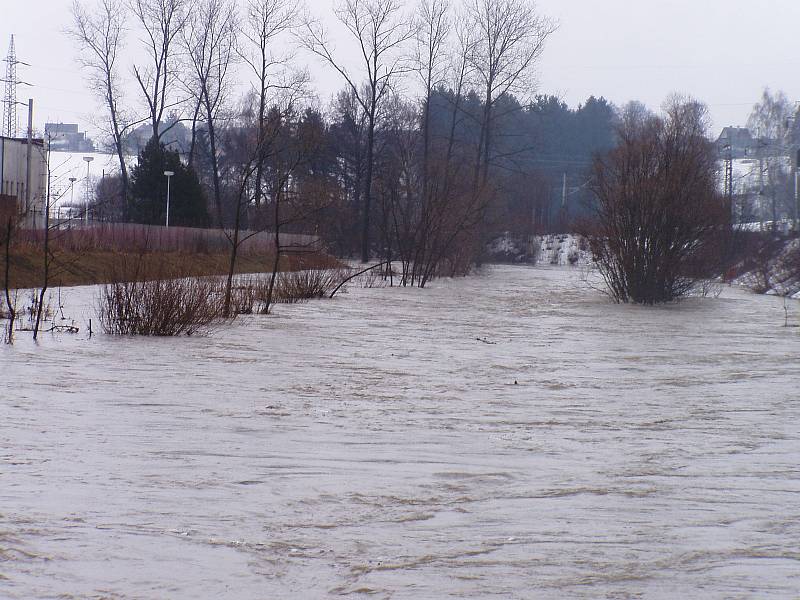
[{"x": 149, "y": 189}]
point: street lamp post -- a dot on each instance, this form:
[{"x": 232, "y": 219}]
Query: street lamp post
[
  {"x": 88, "y": 160},
  {"x": 796, "y": 223},
  {"x": 72, "y": 181},
  {"x": 168, "y": 174},
  {"x": 796, "y": 194}
]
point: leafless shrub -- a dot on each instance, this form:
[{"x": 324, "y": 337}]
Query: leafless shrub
[
  {"x": 31, "y": 307},
  {"x": 248, "y": 295},
  {"x": 572, "y": 257},
  {"x": 756, "y": 258},
  {"x": 370, "y": 279},
  {"x": 244, "y": 299},
  {"x": 300, "y": 286},
  {"x": 659, "y": 214},
  {"x": 160, "y": 307},
  {"x": 9, "y": 310},
  {"x": 759, "y": 280},
  {"x": 789, "y": 264},
  {"x": 708, "y": 288}
]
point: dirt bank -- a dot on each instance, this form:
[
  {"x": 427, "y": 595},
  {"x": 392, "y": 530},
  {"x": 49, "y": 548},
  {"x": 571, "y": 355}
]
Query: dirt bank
[{"x": 91, "y": 267}]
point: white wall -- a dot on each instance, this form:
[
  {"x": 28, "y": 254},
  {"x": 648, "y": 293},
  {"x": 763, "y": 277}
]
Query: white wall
[{"x": 13, "y": 164}]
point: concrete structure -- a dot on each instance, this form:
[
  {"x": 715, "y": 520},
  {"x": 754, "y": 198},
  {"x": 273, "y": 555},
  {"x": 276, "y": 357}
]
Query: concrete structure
[
  {"x": 66, "y": 137},
  {"x": 740, "y": 140},
  {"x": 14, "y": 177},
  {"x": 175, "y": 136}
]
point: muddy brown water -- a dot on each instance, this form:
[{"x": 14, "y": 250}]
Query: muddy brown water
[{"x": 513, "y": 435}]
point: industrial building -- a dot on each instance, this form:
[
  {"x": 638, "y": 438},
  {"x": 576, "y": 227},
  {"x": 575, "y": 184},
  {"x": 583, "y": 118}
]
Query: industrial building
[
  {"x": 67, "y": 137},
  {"x": 23, "y": 179}
]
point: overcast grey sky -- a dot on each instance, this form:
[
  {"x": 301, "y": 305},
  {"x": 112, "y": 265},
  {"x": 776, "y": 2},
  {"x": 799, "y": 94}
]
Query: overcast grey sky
[{"x": 723, "y": 52}]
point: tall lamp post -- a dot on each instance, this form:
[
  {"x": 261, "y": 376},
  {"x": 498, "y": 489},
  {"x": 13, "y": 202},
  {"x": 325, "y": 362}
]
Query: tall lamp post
[
  {"x": 72, "y": 181},
  {"x": 168, "y": 174},
  {"x": 88, "y": 160},
  {"x": 797, "y": 194}
]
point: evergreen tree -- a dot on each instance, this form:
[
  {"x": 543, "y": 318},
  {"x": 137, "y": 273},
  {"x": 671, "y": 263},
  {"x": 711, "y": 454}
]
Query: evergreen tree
[{"x": 149, "y": 189}]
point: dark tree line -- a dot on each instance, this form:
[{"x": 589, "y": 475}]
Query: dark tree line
[{"x": 426, "y": 210}]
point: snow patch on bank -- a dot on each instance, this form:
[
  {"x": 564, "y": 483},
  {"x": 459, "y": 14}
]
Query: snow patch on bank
[{"x": 563, "y": 249}]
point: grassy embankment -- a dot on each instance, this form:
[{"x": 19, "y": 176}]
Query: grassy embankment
[{"x": 70, "y": 268}]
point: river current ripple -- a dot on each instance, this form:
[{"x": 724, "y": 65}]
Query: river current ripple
[{"x": 511, "y": 435}]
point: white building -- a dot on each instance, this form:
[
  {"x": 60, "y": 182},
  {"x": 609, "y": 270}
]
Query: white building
[
  {"x": 14, "y": 158},
  {"x": 67, "y": 137}
]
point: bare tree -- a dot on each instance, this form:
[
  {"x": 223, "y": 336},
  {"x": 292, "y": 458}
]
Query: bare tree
[
  {"x": 380, "y": 31},
  {"x": 244, "y": 155},
  {"x": 289, "y": 142},
  {"x": 428, "y": 206},
  {"x": 9, "y": 220},
  {"x": 770, "y": 120},
  {"x": 252, "y": 142},
  {"x": 47, "y": 251},
  {"x": 297, "y": 140},
  {"x": 510, "y": 37},
  {"x": 349, "y": 130},
  {"x": 770, "y": 116},
  {"x": 161, "y": 22},
  {"x": 659, "y": 211},
  {"x": 99, "y": 34},
  {"x": 398, "y": 187},
  {"x": 266, "y": 22},
  {"x": 433, "y": 29},
  {"x": 208, "y": 38},
  {"x": 454, "y": 205}
]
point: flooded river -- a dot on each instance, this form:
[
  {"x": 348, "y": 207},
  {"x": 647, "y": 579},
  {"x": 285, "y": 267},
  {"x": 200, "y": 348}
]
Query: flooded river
[{"x": 513, "y": 435}]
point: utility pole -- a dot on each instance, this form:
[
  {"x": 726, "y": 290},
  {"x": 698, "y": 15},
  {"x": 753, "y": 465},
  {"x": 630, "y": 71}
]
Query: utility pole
[
  {"x": 9, "y": 124},
  {"x": 10, "y": 98},
  {"x": 72, "y": 181},
  {"x": 88, "y": 160},
  {"x": 729, "y": 177},
  {"x": 168, "y": 175},
  {"x": 29, "y": 159},
  {"x": 796, "y": 194},
  {"x": 761, "y": 145}
]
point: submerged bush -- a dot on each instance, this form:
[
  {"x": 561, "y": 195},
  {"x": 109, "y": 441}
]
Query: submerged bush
[
  {"x": 659, "y": 221},
  {"x": 152, "y": 300},
  {"x": 250, "y": 294},
  {"x": 299, "y": 286},
  {"x": 160, "y": 307}
]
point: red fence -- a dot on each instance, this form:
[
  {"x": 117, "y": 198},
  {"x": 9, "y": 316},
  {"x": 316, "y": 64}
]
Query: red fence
[{"x": 132, "y": 237}]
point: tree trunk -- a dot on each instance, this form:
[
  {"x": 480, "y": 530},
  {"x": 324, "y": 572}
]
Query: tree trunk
[
  {"x": 232, "y": 265},
  {"x": 46, "y": 274},
  {"x": 487, "y": 118},
  {"x": 193, "y": 142},
  {"x": 118, "y": 143},
  {"x": 365, "y": 215},
  {"x": 212, "y": 139},
  {"x": 277, "y": 257},
  {"x": 7, "y": 278}
]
